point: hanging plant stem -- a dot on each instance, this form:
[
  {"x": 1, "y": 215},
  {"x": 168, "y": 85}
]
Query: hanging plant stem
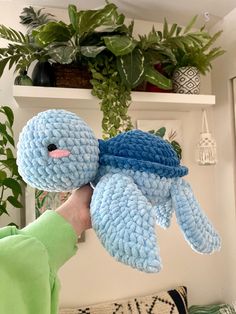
[{"x": 114, "y": 95}]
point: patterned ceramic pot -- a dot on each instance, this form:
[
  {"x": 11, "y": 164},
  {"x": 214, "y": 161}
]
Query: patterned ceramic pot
[{"x": 186, "y": 80}]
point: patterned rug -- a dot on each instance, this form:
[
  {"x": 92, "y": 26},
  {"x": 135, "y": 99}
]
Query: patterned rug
[{"x": 165, "y": 302}]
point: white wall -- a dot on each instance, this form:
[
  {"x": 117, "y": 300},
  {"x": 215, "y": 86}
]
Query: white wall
[
  {"x": 92, "y": 275},
  {"x": 224, "y": 70}
]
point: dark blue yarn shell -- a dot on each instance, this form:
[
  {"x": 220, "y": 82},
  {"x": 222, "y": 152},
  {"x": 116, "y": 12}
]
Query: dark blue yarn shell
[{"x": 141, "y": 151}]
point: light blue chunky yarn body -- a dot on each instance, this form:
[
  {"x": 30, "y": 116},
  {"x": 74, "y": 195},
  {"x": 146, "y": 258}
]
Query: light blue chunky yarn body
[{"x": 137, "y": 178}]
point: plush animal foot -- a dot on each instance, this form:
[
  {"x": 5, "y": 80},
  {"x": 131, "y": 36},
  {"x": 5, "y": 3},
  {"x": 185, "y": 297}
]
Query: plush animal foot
[
  {"x": 124, "y": 221},
  {"x": 197, "y": 229},
  {"x": 163, "y": 213}
]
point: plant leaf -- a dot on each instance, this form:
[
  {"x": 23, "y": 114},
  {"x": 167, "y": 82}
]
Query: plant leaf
[
  {"x": 212, "y": 40},
  {"x": 3, "y": 176},
  {"x": 13, "y": 185},
  {"x": 9, "y": 153},
  {"x": 131, "y": 68},
  {"x": 156, "y": 78},
  {"x": 63, "y": 54},
  {"x": 9, "y": 113},
  {"x": 11, "y": 165},
  {"x": 165, "y": 29},
  {"x": 161, "y": 132},
  {"x": 190, "y": 24},
  {"x": 3, "y": 63},
  {"x": 12, "y": 35},
  {"x": 52, "y": 32},
  {"x": 13, "y": 201},
  {"x": 91, "y": 51},
  {"x": 3, "y": 209},
  {"x": 4, "y": 133},
  {"x": 89, "y": 20},
  {"x": 178, "y": 31},
  {"x": 119, "y": 45},
  {"x": 172, "y": 30},
  {"x": 176, "y": 146},
  {"x": 73, "y": 15}
]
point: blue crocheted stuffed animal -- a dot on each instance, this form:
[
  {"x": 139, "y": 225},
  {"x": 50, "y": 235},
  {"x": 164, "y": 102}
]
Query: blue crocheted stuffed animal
[{"x": 137, "y": 178}]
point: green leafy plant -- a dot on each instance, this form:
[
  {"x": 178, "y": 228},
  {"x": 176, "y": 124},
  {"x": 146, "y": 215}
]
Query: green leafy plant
[
  {"x": 93, "y": 32},
  {"x": 32, "y": 18},
  {"x": 135, "y": 60},
  {"x": 83, "y": 37},
  {"x": 188, "y": 47},
  {"x": 22, "y": 49},
  {"x": 114, "y": 95},
  {"x": 170, "y": 139},
  {"x": 90, "y": 36},
  {"x": 20, "y": 52},
  {"x": 198, "y": 57},
  {"x": 117, "y": 63},
  {"x": 10, "y": 180}
]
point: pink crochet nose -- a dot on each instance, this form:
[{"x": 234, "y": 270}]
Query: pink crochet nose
[{"x": 59, "y": 153}]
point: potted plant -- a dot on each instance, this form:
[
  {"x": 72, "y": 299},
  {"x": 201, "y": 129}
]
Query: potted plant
[
  {"x": 42, "y": 74},
  {"x": 170, "y": 139},
  {"x": 10, "y": 180},
  {"x": 95, "y": 38},
  {"x": 22, "y": 50},
  {"x": 117, "y": 62},
  {"x": 192, "y": 54}
]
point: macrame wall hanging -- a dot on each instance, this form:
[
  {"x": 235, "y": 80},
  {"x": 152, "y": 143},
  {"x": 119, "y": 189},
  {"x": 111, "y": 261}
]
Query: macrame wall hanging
[{"x": 206, "y": 148}]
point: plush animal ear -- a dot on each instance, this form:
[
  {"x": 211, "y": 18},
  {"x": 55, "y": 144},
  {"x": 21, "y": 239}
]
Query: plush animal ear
[
  {"x": 197, "y": 229},
  {"x": 124, "y": 221}
]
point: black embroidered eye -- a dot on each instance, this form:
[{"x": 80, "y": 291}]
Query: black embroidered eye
[{"x": 51, "y": 147}]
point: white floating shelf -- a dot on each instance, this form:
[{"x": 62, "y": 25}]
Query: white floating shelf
[{"x": 55, "y": 97}]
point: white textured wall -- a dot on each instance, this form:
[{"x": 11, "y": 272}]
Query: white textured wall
[
  {"x": 92, "y": 275},
  {"x": 224, "y": 71}
]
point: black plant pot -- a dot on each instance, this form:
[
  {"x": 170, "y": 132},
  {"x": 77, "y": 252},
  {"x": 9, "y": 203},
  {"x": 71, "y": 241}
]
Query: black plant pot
[{"x": 43, "y": 74}]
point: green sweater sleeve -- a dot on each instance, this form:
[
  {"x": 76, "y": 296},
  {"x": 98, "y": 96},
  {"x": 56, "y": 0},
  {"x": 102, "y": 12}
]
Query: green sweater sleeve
[{"x": 29, "y": 260}]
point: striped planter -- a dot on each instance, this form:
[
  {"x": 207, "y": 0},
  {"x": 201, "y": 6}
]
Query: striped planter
[{"x": 186, "y": 80}]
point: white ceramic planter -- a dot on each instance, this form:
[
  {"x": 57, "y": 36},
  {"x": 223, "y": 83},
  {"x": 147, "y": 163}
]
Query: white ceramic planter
[{"x": 186, "y": 80}]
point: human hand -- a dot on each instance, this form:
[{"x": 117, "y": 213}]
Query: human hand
[{"x": 76, "y": 209}]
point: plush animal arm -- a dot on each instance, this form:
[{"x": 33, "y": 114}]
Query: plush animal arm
[
  {"x": 124, "y": 221},
  {"x": 197, "y": 229}
]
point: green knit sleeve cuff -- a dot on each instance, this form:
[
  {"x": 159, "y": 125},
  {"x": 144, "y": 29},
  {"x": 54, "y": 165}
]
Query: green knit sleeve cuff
[{"x": 56, "y": 234}]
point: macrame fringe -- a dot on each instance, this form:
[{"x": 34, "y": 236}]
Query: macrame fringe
[{"x": 207, "y": 156}]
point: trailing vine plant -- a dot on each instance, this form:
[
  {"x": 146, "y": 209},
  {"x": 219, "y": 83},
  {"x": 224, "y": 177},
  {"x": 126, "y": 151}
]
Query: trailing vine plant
[{"x": 114, "y": 95}]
